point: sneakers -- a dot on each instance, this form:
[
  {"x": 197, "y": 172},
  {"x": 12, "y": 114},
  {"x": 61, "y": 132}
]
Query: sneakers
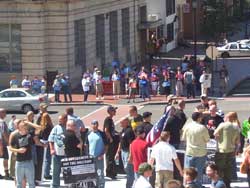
[{"x": 8, "y": 178}]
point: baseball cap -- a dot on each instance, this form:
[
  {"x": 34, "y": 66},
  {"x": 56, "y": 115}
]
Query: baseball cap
[
  {"x": 94, "y": 122},
  {"x": 111, "y": 108},
  {"x": 146, "y": 114},
  {"x": 43, "y": 105},
  {"x": 144, "y": 167}
]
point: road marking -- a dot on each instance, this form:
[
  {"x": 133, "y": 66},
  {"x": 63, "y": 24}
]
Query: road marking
[{"x": 99, "y": 109}]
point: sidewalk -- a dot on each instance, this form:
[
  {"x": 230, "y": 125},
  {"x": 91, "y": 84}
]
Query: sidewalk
[{"x": 109, "y": 100}]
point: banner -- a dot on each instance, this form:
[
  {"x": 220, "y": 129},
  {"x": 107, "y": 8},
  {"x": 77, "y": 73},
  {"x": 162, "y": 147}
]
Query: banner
[{"x": 80, "y": 171}]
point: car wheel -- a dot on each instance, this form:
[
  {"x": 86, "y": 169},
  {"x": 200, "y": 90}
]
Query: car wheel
[
  {"x": 26, "y": 108},
  {"x": 225, "y": 55}
]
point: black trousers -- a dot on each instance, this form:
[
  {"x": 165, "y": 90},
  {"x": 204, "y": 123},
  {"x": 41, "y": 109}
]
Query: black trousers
[
  {"x": 39, "y": 164},
  {"x": 86, "y": 94}
]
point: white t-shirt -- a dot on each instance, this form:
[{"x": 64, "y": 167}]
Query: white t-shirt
[
  {"x": 86, "y": 84},
  {"x": 142, "y": 182},
  {"x": 163, "y": 153}
]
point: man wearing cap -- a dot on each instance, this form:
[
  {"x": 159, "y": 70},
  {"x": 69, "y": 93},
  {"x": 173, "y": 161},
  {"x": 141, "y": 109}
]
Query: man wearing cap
[
  {"x": 97, "y": 146},
  {"x": 145, "y": 171},
  {"x": 138, "y": 149},
  {"x": 126, "y": 138},
  {"x": 109, "y": 130},
  {"x": 4, "y": 139},
  {"x": 147, "y": 122},
  {"x": 44, "y": 120},
  {"x": 196, "y": 136}
]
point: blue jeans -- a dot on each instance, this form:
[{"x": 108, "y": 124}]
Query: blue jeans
[
  {"x": 129, "y": 169},
  {"x": 47, "y": 163},
  {"x": 56, "y": 161},
  {"x": 25, "y": 169},
  {"x": 196, "y": 162},
  {"x": 100, "y": 173}
]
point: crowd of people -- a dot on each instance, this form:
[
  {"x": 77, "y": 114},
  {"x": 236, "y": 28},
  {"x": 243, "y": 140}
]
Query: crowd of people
[{"x": 144, "y": 149}]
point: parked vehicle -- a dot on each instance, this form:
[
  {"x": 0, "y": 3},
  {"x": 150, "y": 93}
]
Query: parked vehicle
[
  {"x": 21, "y": 99},
  {"x": 234, "y": 49},
  {"x": 244, "y": 41}
]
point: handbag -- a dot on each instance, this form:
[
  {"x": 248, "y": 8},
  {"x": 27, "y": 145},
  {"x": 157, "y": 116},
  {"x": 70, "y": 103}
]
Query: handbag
[{"x": 244, "y": 168}]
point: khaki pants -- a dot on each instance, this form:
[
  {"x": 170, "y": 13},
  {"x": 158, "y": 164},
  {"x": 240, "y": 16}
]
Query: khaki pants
[
  {"x": 162, "y": 177},
  {"x": 116, "y": 87}
]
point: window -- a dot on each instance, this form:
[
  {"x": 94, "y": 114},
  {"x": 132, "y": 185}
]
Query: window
[
  {"x": 80, "y": 45},
  {"x": 100, "y": 35},
  {"x": 233, "y": 46},
  {"x": 125, "y": 28},
  {"x": 20, "y": 94},
  {"x": 170, "y": 7},
  {"x": 143, "y": 14},
  {"x": 170, "y": 32},
  {"x": 113, "y": 33},
  {"x": 10, "y": 48}
]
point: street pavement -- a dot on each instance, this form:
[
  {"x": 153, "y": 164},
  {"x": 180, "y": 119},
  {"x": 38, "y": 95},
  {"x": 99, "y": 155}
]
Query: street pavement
[{"x": 98, "y": 111}]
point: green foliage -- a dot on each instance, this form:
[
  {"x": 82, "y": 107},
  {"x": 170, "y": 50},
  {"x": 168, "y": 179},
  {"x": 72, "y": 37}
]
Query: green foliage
[{"x": 217, "y": 19}]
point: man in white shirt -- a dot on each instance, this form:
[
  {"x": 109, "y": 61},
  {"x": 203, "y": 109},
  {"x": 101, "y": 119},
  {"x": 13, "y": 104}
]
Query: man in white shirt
[{"x": 163, "y": 154}]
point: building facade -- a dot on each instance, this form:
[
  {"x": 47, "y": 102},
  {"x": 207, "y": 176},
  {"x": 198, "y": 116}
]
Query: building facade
[
  {"x": 68, "y": 36},
  {"x": 165, "y": 12}
]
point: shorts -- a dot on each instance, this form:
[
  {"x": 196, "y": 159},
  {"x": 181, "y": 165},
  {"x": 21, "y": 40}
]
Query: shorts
[{"x": 5, "y": 153}]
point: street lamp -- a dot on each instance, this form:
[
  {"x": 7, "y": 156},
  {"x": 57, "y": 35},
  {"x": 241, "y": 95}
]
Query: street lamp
[{"x": 194, "y": 6}]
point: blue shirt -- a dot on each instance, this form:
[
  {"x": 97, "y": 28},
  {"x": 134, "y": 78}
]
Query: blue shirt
[
  {"x": 218, "y": 184},
  {"x": 96, "y": 143}
]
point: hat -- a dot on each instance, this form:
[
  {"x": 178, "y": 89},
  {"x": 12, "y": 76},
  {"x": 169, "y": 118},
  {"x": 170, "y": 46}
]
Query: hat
[
  {"x": 203, "y": 97},
  {"x": 96, "y": 69},
  {"x": 111, "y": 109},
  {"x": 43, "y": 105},
  {"x": 94, "y": 122},
  {"x": 146, "y": 114},
  {"x": 144, "y": 167},
  {"x": 139, "y": 130}
]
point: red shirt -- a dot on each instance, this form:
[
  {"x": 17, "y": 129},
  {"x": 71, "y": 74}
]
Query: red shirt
[{"x": 139, "y": 152}]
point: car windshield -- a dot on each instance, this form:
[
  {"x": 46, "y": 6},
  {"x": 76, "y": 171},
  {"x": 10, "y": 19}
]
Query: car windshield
[{"x": 32, "y": 92}]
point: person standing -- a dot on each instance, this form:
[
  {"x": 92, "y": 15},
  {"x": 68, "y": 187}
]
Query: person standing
[
  {"x": 147, "y": 122},
  {"x": 14, "y": 82},
  {"x": 26, "y": 83},
  {"x": 36, "y": 84},
  {"x": 126, "y": 138},
  {"x": 223, "y": 79},
  {"x": 109, "y": 130},
  {"x": 135, "y": 118},
  {"x": 154, "y": 81},
  {"x": 212, "y": 172},
  {"x": 138, "y": 150},
  {"x": 57, "y": 149},
  {"x": 71, "y": 142},
  {"x": 57, "y": 88},
  {"x": 196, "y": 136},
  {"x": 212, "y": 120},
  {"x": 180, "y": 112},
  {"x": 228, "y": 137},
  {"x": 173, "y": 126},
  {"x": 97, "y": 146},
  {"x": 116, "y": 84},
  {"x": 4, "y": 134},
  {"x": 132, "y": 86},
  {"x": 163, "y": 154},
  {"x": 166, "y": 84},
  {"x": 189, "y": 81},
  {"x": 86, "y": 86},
  {"x": 44, "y": 120},
  {"x": 203, "y": 81},
  {"x": 179, "y": 83},
  {"x": 21, "y": 143}
]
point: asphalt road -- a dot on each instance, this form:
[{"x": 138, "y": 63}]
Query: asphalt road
[{"x": 241, "y": 105}]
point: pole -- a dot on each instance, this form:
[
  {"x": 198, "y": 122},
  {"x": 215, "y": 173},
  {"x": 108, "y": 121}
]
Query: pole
[{"x": 195, "y": 36}]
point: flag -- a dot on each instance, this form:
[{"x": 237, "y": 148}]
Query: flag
[{"x": 158, "y": 127}]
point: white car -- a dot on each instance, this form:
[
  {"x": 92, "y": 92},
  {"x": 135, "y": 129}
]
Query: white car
[
  {"x": 234, "y": 49},
  {"x": 21, "y": 99},
  {"x": 244, "y": 41}
]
